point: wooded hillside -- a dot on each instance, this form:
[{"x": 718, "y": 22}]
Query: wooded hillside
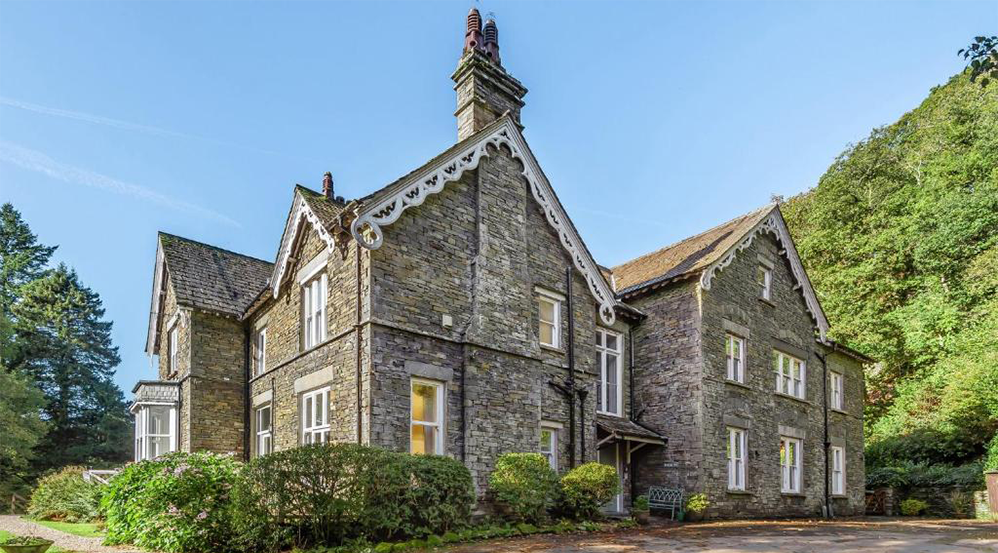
[{"x": 900, "y": 237}]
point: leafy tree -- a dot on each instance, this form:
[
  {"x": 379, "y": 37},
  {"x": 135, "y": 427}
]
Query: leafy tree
[
  {"x": 22, "y": 259},
  {"x": 982, "y": 56},
  {"x": 20, "y": 417},
  {"x": 64, "y": 344},
  {"x": 900, "y": 237}
]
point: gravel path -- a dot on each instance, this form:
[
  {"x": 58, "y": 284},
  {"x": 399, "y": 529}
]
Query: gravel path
[{"x": 18, "y": 526}]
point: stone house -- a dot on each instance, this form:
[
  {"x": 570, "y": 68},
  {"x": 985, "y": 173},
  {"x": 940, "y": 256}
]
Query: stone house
[{"x": 457, "y": 311}]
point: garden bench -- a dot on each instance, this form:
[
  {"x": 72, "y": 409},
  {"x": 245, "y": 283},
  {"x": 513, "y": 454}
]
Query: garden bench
[{"x": 666, "y": 499}]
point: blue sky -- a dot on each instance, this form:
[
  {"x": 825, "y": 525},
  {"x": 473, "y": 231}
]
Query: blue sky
[{"x": 653, "y": 120}]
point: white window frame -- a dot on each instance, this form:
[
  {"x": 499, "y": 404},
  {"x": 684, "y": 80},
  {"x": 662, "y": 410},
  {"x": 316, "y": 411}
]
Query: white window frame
[
  {"x": 837, "y": 399},
  {"x": 438, "y": 387},
  {"x": 313, "y": 310},
  {"x": 785, "y": 382},
  {"x": 264, "y": 437},
  {"x": 552, "y": 453},
  {"x": 735, "y": 365},
  {"x": 144, "y": 440},
  {"x": 174, "y": 347},
  {"x": 790, "y": 479},
  {"x": 737, "y": 442},
  {"x": 838, "y": 470},
  {"x": 767, "y": 282},
  {"x": 260, "y": 351},
  {"x": 316, "y": 430},
  {"x": 555, "y": 300},
  {"x": 603, "y": 393}
]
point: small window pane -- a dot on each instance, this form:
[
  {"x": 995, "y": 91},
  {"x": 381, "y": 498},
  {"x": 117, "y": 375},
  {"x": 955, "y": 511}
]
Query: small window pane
[{"x": 424, "y": 403}]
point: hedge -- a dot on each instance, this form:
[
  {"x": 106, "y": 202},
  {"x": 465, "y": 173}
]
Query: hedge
[
  {"x": 178, "y": 503},
  {"x": 914, "y": 475},
  {"x": 65, "y": 495},
  {"x": 328, "y": 493},
  {"x": 524, "y": 485}
]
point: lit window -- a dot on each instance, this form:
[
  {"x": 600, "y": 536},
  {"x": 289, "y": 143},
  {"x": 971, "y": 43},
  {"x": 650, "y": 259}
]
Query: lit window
[
  {"x": 264, "y": 436},
  {"x": 838, "y": 470},
  {"x": 790, "y": 451},
  {"x": 735, "y": 350},
  {"x": 608, "y": 388},
  {"x": 313, "y": 301},
  {"x": 426, "y": 416},
  {"x": 154, "y": 434},
  {"x": 315, "y": 416},
  {"x": 764, "y": 278},
  {"x": 174, "y": 347},
  {"x": 736, "y": 459},
  {"x": 790, "y": 374},
  {"x": 260, "y": 351},
  {"x": 549, "y": 310},
  {"x": 837, "y": 402},
  {"x": 549, "y": 445}
]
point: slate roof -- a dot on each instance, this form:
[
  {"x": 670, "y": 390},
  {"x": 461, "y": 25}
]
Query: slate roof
[
  {"x": 325, "y": 209},
  {"x": 626, "y": 429},
  {"x": 686, "y": 257},
  {"x": 210, "y": 278}
]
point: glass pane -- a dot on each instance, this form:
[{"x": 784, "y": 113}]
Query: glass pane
[
  {"x": 611, "y": 341},
  {"x": 423, "y": 439},
  {"x": 545, "y": 441},
  {"x": 263, "y": 421},
  {"x": 308, "y": 412},
  {"x": 547, "y": 333},
  {"x": 158, "y": 446},
  {"x": 611, "y": 369},
  {"x": 424, "y": 402},
  {"x": 783, "y": 453},
  {"x": 158, "y": 420},
  {"x": 599, "y": 338},
  {"x": 546, "y": 310},
  {"x": 320, "y": 408}
]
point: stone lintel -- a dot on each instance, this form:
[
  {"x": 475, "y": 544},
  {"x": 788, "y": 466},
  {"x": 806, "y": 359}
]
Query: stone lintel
[
  {"x": 430, "y": 372},
  {"x": 263, "y": 397},
  {"x": 791, "y": 432},
  {"x": 737, "y": 422},
  {"x": 314, "y": 380},
  {"x": 736, "y": 329}
]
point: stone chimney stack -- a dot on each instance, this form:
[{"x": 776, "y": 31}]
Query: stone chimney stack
[
  {"x": 327, "y": 186},
  {"x": 485, "y": 91}
]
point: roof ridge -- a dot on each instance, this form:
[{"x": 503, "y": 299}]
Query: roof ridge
[
  {"x": 691, "y": 237},
  {"x": 214, "y": 247}
]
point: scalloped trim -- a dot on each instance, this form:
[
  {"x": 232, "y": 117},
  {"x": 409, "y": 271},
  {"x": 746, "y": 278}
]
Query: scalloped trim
[
  {"x": 366, "y": 228},
  {"x": 300, "y": 212},
  {"x": 775, "y": 225}
]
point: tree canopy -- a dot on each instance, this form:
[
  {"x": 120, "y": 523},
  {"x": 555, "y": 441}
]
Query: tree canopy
[{"x": 900, "y": 237}]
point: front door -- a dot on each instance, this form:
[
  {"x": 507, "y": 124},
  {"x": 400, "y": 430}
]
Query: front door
[{"x": 608, "y": 455}]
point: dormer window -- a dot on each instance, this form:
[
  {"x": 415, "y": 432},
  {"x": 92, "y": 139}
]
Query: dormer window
[
  {"x": 764, "y": 278},
  {"x": 313, "y": 301}
]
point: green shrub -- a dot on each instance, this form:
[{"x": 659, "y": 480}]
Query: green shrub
[
  {"x": 640, "y": 504},
  {"x": 328, "y": 493},
  {"x": 961, "y": 503},
  {"x": 525, "y": 485},
  {"x": 586, "y": 488},
  {"x": 913, "y": 507},
  {"x": 697, "y": 503},
  {"x": 906, "y": 475},
  {"x": 991, "y": 457},
  {"x": 65, "y": 495},
  {"x": 179, "y": 503}
]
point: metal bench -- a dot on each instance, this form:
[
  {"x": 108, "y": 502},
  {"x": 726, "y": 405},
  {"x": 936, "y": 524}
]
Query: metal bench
[{"x": 666, "y": 499}]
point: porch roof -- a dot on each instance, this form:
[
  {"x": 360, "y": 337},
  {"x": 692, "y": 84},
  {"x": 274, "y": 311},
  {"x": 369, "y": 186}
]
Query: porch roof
[{"x": 627, "y": 430}]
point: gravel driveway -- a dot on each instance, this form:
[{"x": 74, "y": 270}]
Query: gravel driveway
[
  {"x": 69, "y": 542},
  {"x": 849, "y": 536}
]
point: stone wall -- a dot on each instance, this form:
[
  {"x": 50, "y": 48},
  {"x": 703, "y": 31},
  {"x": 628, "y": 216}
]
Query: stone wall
[
  {"x": 292, "y": 371},
  {"x": 216, "y": 386},
  {"x": 171, "y": 318},
  {"x": 668, "y": 386},
  {"x": 845, "y": 429},
  {"x": 476, "y": 252}
]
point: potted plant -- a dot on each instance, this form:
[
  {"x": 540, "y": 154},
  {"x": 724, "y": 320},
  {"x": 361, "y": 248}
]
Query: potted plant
[
  {"x": 25, "y": 544},
  {"x": 640, "y": 509},
  {"x": 696, "y": 505}
]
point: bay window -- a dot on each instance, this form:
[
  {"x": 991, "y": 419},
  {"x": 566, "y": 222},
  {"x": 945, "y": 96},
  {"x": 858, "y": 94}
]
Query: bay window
[{"x": 155, "y": 433}]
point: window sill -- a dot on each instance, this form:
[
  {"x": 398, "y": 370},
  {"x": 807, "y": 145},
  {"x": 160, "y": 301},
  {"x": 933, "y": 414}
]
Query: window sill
[
  {"x": 795, "y": 398},
  {"x": 767, "y": 302},
  {"x": 555, "y": 349},
  {"x": 840, "y": 411},
  {"x": 608, "y": 414},
  {"x": 736, "y": 383},
  {"x": 792, "y": 494},
  {"x": 741, "y": 493},
  {"x": 839, "y": 496}
]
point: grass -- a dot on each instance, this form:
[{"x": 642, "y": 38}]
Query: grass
[
  {"x": 84, "y": 529},
  {"x": 4, "y": 535}
]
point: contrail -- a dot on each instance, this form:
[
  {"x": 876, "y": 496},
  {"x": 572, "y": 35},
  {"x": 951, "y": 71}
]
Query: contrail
[
  {"x": 128, "y": 126},
  {"x": 34, "y": 160}
]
